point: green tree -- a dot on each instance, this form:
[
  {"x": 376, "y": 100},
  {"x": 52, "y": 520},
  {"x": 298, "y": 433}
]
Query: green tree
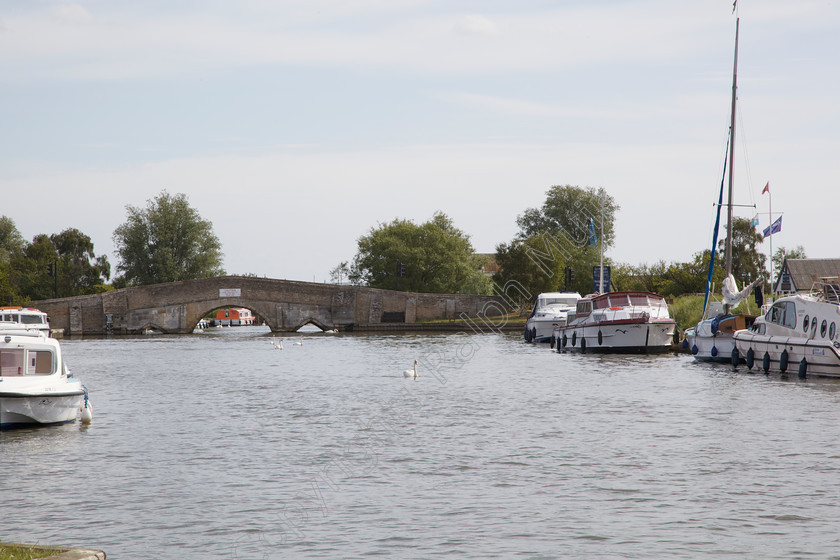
[
  {"x": 80, "y": 271},
  {"x": 783, "y": 253},
  {"x": 165, "y": 242},
  {"x": 747, "y": 262},
  {"x": 436, "y": 256},
  {"x": 30, "y": 268},
  {"x": 11, "y": 242},
  {"x": 569, "y": 210},
  {"x": 564, "y": 234}
]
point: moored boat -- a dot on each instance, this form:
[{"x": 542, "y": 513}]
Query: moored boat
[
  {"x": 798, "y": 333},
  {"x": 36, "y": 386},
  {"x": 628, "y": 321},
  {"x": 711, "y": 339},
  {"x": 29, "y": 317},
  {"x": 550, "y": 311}
]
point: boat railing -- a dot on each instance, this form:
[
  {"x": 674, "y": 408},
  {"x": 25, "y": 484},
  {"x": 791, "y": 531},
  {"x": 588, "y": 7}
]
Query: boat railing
[{"x": 826, "y": 292}]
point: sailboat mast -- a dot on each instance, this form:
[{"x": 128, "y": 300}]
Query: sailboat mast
[{"x": 731, "y": 156}]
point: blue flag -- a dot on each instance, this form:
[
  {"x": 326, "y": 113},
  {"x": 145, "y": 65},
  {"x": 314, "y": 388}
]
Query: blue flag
[
  {"x": 593, "y": 239},
  {"x": 775, "y": 227}
]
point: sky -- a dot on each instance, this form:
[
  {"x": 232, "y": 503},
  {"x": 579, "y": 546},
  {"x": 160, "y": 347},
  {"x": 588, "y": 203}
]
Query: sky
[{"x": 297, "y": 126}]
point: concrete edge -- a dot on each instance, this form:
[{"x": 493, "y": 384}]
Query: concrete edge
[
  {"x": 78, "y": 554},
  {"x": 68, "y": 553}
]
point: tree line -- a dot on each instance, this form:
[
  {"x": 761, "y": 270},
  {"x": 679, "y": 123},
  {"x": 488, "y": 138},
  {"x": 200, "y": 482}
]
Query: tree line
[
  {"x": 165, "y": 241},
  {"x": 556, "y": 249}
]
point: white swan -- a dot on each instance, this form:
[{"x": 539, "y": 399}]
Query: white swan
[
  {"x": 299, "y": 342},
  {"x": 279, "y": 344},
  {"x": 412, "y": 373}
]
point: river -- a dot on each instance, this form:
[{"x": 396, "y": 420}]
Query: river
[{"x": 218, "y": 445}]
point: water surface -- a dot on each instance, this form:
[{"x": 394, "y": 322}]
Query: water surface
[{"x": 217, "y": 445}]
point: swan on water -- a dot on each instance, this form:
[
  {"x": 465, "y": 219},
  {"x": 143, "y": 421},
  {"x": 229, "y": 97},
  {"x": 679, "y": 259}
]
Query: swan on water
[{"x": 412, "y": 373}]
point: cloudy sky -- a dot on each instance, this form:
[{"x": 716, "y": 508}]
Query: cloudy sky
[{"x": 296, "y": 126}]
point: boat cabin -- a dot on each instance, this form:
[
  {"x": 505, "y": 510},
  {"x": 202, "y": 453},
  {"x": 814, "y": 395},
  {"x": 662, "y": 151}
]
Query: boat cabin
[
  {"x": 233, "y": 317},
  {"x": 17, "y": 361},
  {"x": 28, "y": 316}
]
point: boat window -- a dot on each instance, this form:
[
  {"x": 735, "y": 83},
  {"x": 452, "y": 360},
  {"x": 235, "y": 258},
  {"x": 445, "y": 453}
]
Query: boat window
[
  {"x": 776, "y": 313},
  {"x": 814, "y": 325},
  {"x": 790, "y": 315},
  {"x": 639, "y": 299},
  {"x": 823, "y": 328},
  {"x": 805, "y": 323},
  {"x": 620, "y": 300},
  {"x": 40, "y": 362},
  {"x": 11, "y": 362},
  {"x": 832, "y": 331},
  {"x": 31, "y": 320}
]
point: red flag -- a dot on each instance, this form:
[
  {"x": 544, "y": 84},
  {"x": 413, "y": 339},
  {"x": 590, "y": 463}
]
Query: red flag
[
  {"x": 735, "y": 3},
  {"x": 766, "y": 188}
]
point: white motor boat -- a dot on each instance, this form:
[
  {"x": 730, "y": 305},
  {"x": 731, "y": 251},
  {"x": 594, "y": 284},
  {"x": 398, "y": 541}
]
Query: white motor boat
[
  {"x": 27, "y": 316},
  {"x": 799, "y": 332},
  {"x": 550, "y": 311},
  {"x": 36, "y": 386},
  {"x": 631, "y": 321}
]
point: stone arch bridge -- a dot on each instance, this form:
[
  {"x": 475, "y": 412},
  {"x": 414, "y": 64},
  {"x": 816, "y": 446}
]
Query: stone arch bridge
[{"x": 285, "y": 305}]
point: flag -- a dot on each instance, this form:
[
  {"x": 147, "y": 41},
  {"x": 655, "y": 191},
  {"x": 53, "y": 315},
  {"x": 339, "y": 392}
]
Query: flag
[
  {"x": 775, "y": 227},
  {"x": 766, "y": 188},
  {"x": 593, "y": 239},
  {"x": 754, "y": 221},
  {"x": 735, "y": 3}
]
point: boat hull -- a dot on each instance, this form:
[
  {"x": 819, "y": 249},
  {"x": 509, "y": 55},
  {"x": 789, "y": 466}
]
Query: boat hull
[
  {"x": 710, "y": 348},
  {"x": 542, "y": 329},
  {"x": 629, "y": 337},
  {"x": 785, "y": 354},
  {"x": 17, "y": 410}
]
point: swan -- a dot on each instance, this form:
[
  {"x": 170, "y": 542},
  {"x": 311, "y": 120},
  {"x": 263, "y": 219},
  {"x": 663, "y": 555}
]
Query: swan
[
  {"x": 279, "y": 344},
  {"x": 299, "y": 343},
  {"x": 412, "y": 373}
]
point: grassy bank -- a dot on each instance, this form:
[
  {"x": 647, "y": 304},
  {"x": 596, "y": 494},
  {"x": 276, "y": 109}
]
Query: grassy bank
[
  {"x": 688, "y": 310},
  {"x": 26, "y": 552}
]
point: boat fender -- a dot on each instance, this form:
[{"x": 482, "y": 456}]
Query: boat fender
[
  {"x": 685, "y": 344},
  {"x": 765, "y": 362},
  {"x": 735, "y": 357},
  {"x": 600, "y": 338},
  {"x": 565, "y": 340},
  {"x": 714, "y": 351},
  {"x": 803, "y": 365},
  {"x": 694, "y": 349},
  {"x": 574, "y": 338},
  {"x": 783, "y": 360},
  {"x": 534, "y": 334},
  {"x": 87, "y": 409},
  {"x": 582, "y": 344},
  {"x": 552, "y": 341},
  {"x": 750, "y": 358}
]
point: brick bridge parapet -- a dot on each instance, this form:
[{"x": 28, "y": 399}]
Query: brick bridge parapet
[{"x": 285, "y": 306}]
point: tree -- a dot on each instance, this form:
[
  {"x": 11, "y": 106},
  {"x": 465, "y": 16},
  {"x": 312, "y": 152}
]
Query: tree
[
  {"x": 80, "y": 271},
  {"x": 11, "y": 242},
  {"x": 747, "y": 262},
  {"x": 30, "y": 268},
  {"x": 165, "y": 242},
  {"x": 783, "y": 253},
  {"x": 564, "y": 234},
  {"x": 435, "y": 256},
  {"x": 569, "y": 211}
]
